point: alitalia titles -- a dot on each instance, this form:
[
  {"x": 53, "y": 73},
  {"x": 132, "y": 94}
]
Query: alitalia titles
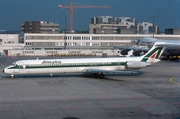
[
  {"x": 83, "y": 63},
  {"x": 51, "y": 62}
]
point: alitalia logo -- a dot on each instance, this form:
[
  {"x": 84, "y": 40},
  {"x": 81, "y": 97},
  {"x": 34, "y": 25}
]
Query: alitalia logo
[{"x": 154, "y": 54}]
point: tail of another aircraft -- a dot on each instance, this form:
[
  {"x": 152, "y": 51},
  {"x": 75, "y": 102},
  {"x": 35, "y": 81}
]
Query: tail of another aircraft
[{"x": 153, "y": 55}]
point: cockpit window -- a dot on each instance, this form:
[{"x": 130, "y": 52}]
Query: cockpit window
[{"x": 14, "y": 64}]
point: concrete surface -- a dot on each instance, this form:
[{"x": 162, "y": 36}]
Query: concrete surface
[{"x": 152, "y": 94}]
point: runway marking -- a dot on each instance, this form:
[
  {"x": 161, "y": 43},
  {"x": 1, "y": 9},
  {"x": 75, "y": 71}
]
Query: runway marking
[{"x": 171, "y": 80}]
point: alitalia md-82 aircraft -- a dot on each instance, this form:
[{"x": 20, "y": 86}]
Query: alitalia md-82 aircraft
[{"x": 96, "y": 66}]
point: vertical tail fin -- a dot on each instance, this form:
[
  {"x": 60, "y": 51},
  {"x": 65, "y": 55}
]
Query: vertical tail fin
[{"x": 154, "y": 53}]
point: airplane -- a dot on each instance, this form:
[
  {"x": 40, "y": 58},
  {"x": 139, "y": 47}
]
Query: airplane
[
  {"x": 170, "y": 50},
  {"x": 146, "y": 43},
  {"x": 134, "y": 51},
  {"x": 96, "y": 66},
  {"x": 149, "y": 42}
]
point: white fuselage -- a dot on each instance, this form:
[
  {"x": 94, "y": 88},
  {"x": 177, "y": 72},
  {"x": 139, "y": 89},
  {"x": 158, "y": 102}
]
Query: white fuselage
[{"x": 50, "y": 66}]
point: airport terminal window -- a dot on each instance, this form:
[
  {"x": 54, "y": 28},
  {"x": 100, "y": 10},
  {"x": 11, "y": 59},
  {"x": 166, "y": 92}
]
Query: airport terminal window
[
  {"x": 68, "y": 37},
  {"x": 97, "y": 51},
  {"x": 95, "y": 44},
  {"x": 74, "y": 52},
  {"x": 87, "y": 44},
  {"x": 51, "y": 52},
  {"x": 48, "y": 48},
  {"x": 28, "y": 43},
  {"x": 28, "y": 52},
  {"x": 107, "y": 38},
  {"x": 83, "y": 44},
  {"x": 43, "y": 44},
  {"x": 118, "y": 38},
  {"x": 74, "y": 44},
  {"x": 59, "y": 44},
  {"x": 44, "y": 37},
  {"x": 76, "y": 38},
  {"x": 104, "y": 38},
  {"x": 57, "y": 48},
  {"x": 37, "y": 48},
  {"x": 95, "y": 38},
  {"x": 68, "y": 44},
  {"x": 85, "y": 38}
]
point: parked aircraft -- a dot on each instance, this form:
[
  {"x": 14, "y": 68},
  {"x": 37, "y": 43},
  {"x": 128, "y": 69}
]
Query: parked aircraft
[
  {"x": 146, "y": 43},
  {"x": 96, "y": 66}
]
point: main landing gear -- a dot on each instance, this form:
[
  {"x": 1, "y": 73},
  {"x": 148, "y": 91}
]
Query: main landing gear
[{"x": 98, "y": 75}]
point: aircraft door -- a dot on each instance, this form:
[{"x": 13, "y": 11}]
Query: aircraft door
[
  {"x": 119, "y": 66},
  {"x": 118, "y": 63}
]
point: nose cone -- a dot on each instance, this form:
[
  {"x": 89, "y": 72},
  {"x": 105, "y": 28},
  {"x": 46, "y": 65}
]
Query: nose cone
[{"x": 4, "y": 70}]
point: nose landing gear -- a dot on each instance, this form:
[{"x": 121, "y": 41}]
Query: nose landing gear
[{"x": 12, "y": 76}]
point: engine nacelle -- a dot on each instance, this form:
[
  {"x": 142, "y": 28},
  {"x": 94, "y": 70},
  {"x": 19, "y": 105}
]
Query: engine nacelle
[
  {"x": 136, "y": 64},
  {"x": 130, "y": 52}
]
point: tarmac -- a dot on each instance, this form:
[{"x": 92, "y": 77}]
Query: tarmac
[{"x": 153, "y": 93}]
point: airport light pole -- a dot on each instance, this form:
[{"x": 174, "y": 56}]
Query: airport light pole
[{"x": 153, "y": 29}]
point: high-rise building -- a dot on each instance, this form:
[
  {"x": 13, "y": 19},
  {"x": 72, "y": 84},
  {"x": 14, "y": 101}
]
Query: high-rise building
[
  {"x": 102, "y": 20},
  {"x": 111, "y": 25},
  {"x": 147, "y": 28},
  {"x": 39, "y": 27},
  {"x": 121, "y": 25},
  {"x": 128, "y": 21},
  {"x": 173, "y": 31}
]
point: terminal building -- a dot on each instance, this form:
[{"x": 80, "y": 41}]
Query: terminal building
[
  {"x": 172, "y": 31},
  {"x": 36, "y": 44},
  {"x": 10, "y": 42}
]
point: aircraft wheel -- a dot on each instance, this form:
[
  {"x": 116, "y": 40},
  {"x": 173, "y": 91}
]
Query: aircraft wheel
[
  {"x": 95, "y": 75},
  {"x": 12, "y": 76},
  {"x": 101, "y": 75},
  {"x": 98, "y": 75}
]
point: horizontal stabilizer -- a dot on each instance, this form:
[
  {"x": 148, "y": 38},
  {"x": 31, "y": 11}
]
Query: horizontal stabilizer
[{"x": 164, "y": 44}]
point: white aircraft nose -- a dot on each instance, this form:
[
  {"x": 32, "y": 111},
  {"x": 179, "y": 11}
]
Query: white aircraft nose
[{"x": 4, "y": 70}]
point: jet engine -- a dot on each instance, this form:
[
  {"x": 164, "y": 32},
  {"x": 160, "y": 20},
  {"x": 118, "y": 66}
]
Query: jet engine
[
  {"x": 125, "y": 52},
  {"x": 136, "y": 64}
]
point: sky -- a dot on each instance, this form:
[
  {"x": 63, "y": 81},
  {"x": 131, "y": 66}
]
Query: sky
[{"x": 15, "y": 12}]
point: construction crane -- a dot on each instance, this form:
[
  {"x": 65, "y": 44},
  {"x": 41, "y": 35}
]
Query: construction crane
[{"x": 71, "y": 7}]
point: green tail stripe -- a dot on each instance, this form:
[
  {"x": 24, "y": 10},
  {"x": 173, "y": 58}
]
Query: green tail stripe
[{"x": 145, "y": 58}]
